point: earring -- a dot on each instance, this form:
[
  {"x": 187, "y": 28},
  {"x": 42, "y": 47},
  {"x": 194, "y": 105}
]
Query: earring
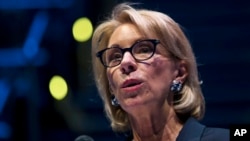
[
  {"x": 114, "y": 101},
  {"x": 176, "y": 86}
]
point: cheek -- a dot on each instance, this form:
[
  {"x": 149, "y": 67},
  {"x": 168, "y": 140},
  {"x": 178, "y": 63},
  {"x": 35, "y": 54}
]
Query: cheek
[
  {"x": 111, "y": 78},
  {"x": 161, "y": 65},
  {"x": 163, "y": 70},
  {"x": 160, "y": 75}
]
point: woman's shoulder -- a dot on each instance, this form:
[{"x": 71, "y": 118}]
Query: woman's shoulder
[
  {"x": 195, "y": 131},
  {"x": 215, "y": 134}
]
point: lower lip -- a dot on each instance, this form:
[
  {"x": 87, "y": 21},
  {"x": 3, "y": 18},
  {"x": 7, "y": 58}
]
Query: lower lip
[{"x": 132, "y": 88}]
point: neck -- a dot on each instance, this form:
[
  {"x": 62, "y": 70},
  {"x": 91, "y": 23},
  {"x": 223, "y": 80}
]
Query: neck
[{"x": 157, "y": 125}]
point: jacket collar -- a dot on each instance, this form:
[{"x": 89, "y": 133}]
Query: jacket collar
[{"x": 191, "y": 131}]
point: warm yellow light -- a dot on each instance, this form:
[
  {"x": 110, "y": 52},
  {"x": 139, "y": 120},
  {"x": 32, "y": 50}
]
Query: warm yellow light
[
  {"x": 58, "y": 87},
  {"x": 82, "y": 29}
]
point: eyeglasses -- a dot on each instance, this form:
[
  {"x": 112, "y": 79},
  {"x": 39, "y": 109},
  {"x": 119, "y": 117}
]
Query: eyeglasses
[{"x": 140, "y": 50}]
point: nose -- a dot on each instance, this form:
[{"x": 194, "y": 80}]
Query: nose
[{"x": 128, "y": 63}]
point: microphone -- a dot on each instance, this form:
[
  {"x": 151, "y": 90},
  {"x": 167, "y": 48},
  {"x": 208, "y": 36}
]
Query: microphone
[{"x": 84, "y": 138}]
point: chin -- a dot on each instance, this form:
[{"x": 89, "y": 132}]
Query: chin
[{"x": 133, "y": 103}]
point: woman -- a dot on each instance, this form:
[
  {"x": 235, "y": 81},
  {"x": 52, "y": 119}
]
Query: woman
[{"x": 146, "y": 74}]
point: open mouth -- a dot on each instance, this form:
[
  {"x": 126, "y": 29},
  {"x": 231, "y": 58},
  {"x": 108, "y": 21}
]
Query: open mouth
[{"x": 131, "y": 83}]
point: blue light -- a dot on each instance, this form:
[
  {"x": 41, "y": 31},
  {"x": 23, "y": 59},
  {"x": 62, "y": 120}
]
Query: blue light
[
  {"x": 31, "y": 4},
  {"x": 30, "y": 52},
  {"x": 31, "y": 48},
  {"x": 4, "y": 93},
  {"x": 11, "y": 57},
  {"x": 14, "y": 57},
  {"x": 38, "y": 27},
  {"x": 5, "y": 130}
]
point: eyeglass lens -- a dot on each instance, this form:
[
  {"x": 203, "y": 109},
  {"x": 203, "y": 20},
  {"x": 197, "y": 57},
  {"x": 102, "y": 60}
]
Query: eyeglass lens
[{"x": 141, "y": 50}]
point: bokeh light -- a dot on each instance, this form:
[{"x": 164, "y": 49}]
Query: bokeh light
[
  {"x": 58, "y": 87},
  {"x": 5, "y": 130},
  {"x": 82, "y": 29}
]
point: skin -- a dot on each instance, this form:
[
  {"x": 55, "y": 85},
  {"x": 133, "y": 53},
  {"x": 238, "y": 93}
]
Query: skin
[{"x": 148, "y": 104}]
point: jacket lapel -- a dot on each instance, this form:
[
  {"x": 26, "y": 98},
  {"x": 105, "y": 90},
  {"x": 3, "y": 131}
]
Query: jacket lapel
[{"x": 191, "y": 131}]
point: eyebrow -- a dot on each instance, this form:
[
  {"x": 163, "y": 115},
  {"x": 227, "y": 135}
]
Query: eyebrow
[{"x": 117, "y": 45}]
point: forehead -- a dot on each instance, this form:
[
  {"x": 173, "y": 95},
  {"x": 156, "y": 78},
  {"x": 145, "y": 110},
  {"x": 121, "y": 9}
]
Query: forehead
[{"x": 125, "y": 35}]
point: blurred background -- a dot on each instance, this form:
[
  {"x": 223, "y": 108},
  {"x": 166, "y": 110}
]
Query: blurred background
[{"x": 47, "y": 91}]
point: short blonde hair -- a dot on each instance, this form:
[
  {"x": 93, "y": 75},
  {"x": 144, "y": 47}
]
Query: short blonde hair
[{"x": 190, "y": 102}]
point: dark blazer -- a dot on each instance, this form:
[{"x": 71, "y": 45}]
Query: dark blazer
[{"x": 195, "y": 131}]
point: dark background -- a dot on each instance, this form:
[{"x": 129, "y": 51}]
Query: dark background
[{"x": 218, "y": 31}]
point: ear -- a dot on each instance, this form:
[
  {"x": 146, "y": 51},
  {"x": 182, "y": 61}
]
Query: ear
[{"x": 182, "y": 71}]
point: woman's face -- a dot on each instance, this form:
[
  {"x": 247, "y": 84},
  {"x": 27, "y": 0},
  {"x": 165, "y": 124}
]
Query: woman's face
[{"x": 139, "y": 83}]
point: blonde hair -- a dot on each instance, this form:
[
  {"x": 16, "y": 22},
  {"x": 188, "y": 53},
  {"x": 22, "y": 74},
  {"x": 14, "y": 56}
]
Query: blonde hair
[{"x": 190, "y": 102}]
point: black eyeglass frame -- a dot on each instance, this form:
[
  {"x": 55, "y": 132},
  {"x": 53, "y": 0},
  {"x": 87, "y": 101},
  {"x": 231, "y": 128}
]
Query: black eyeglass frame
[{"x": 129, "y": 49}]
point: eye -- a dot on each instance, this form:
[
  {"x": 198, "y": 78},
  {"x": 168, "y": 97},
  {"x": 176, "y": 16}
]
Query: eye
[
  {"x": 113, "y": 56},
  {"x": 143, "y": 48}
]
